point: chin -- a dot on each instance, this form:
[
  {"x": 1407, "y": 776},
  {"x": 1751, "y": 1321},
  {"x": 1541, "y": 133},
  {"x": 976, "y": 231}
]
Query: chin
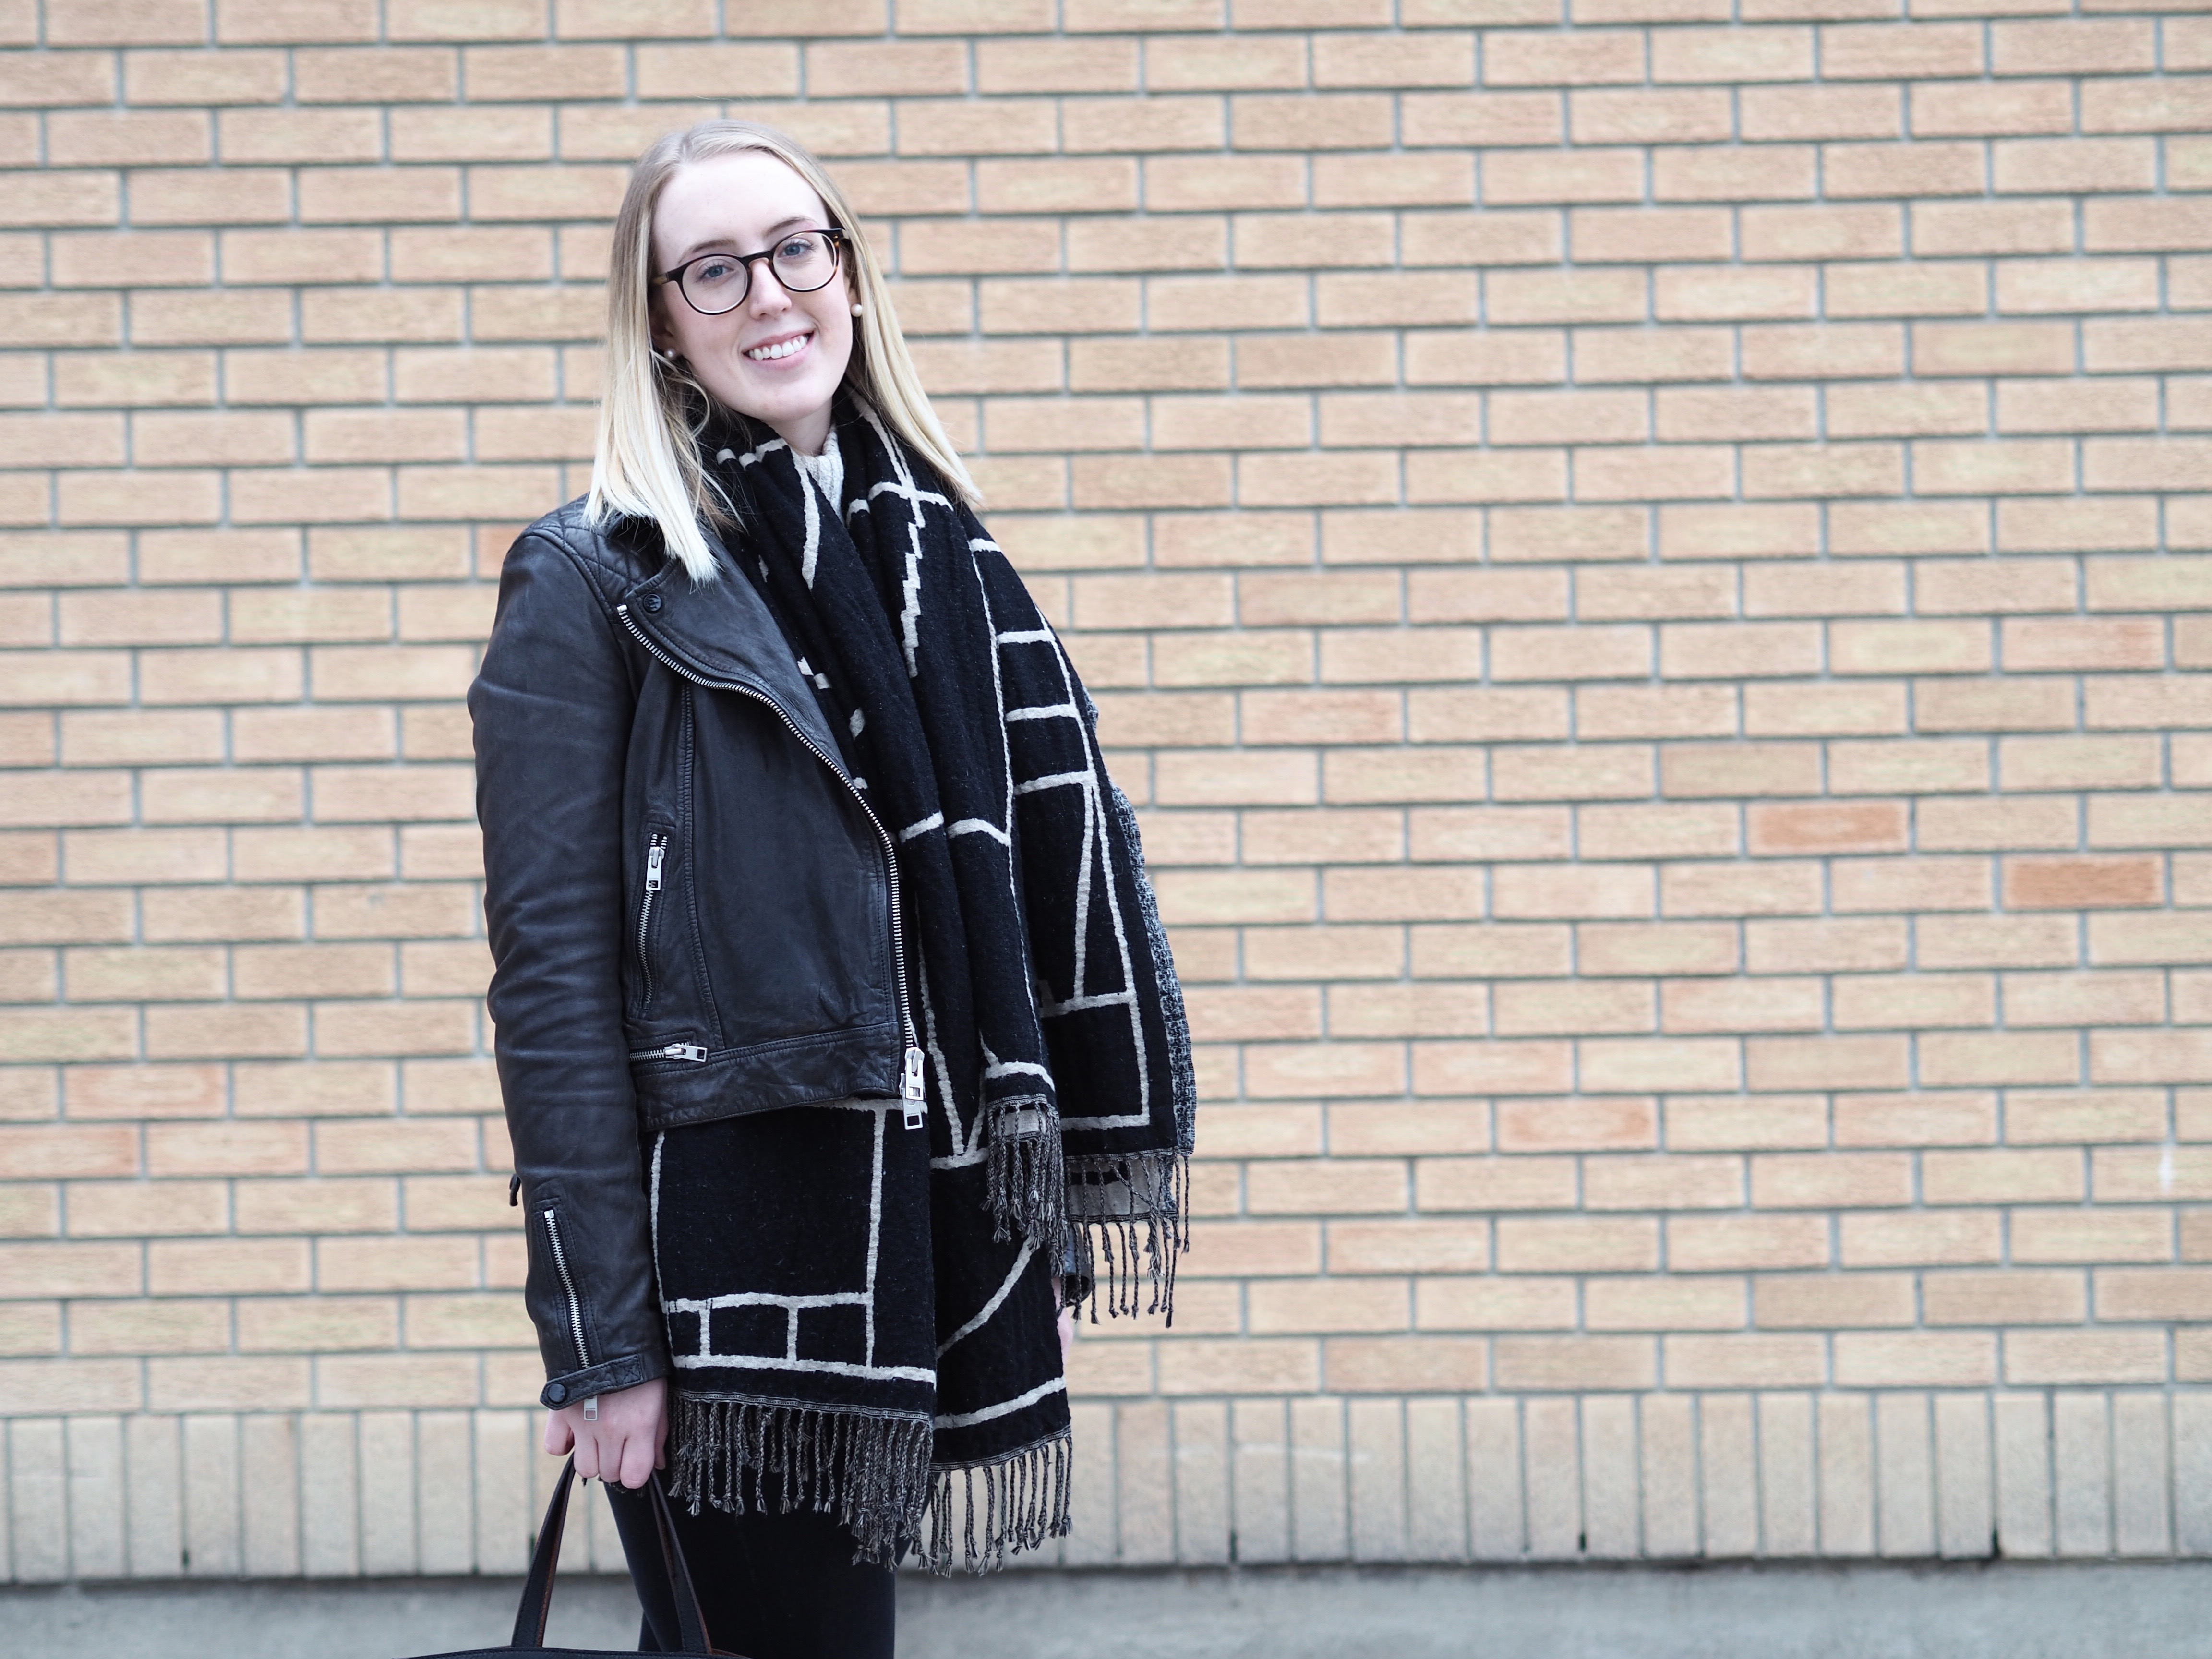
[{"x": 789, "y": 403}]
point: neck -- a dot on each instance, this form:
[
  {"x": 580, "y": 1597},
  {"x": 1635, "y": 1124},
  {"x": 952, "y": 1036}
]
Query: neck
[{"x": 807, "y": 435}]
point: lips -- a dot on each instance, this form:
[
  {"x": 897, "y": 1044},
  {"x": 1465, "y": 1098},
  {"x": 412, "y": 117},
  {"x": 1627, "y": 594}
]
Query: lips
[{"x": 777, "y": 350}]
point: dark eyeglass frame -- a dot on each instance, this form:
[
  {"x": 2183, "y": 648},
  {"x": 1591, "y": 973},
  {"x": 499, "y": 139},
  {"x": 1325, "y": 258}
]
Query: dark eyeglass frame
[{"x": 833, "y": 234}]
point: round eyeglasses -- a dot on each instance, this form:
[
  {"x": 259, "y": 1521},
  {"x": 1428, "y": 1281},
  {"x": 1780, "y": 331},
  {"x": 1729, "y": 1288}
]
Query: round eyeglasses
[{"x": 803, "y": 261}]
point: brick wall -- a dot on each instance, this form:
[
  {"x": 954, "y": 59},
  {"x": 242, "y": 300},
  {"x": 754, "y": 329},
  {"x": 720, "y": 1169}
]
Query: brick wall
[{"x": 1650, "y": 571}]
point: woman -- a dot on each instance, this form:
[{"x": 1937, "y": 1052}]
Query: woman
[{"x": 842, "y": 1047}]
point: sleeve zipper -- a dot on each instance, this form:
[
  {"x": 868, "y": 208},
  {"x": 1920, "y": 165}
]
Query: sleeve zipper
[
  {"x": 576, "y": 1307},
  {"x": 913, "y": 1091}
]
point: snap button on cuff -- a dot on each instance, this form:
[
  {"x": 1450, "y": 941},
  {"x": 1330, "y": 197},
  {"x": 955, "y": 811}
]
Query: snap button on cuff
[{"x": 556, "y": 1392}]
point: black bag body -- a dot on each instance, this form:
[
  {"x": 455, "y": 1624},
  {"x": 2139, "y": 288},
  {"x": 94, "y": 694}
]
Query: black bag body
[{"x": 538, "y": 1589}]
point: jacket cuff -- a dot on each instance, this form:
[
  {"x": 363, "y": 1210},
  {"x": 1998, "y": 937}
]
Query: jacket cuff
[{"x": 626, "y": 1372}]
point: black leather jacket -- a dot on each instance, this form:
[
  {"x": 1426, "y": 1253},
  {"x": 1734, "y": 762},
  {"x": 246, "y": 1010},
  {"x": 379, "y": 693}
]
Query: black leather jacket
[{"x": 692, "y": 913}]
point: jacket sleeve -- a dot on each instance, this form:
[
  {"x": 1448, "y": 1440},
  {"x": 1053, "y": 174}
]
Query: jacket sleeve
[{"x": 552, "y": 708}]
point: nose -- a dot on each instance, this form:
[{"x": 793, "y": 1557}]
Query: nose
[{"x": 766, "y": 295}]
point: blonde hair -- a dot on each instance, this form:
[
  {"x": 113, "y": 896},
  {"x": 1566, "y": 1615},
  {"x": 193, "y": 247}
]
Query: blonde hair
[{"x": 647, "y": 463}]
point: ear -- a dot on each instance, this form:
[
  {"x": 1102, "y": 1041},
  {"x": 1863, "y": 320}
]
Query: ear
[{"x": 664, "y": 338}]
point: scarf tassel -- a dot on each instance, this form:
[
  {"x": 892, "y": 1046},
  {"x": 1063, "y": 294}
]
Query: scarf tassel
[
  {"x": 1026, "y": 1178},
  {"x": 873, "y": 1473},
  {"x": 1024, "y": 1501},
  {"x": 870, "y": 1470},
  {"x": 1133, "y": 1220}
]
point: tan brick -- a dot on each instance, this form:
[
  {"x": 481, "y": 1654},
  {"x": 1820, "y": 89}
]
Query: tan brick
[
  {"x": 218, "y": 1267},
  {"x": 392, "y": 1264},
  {"x": 170, "y": 1326},
  {"x": 1391, "y": 1365},
  {"x": 1827, "y": 1301},
  {"x": 2084, "y": 1356},
  {"x": 1914, "y": 1358},
  {"x": 1747, "y": 1360},
  {"x": 1241, "y": 1365},
  {"x": 1483, "y": 1184},
  {"x": 147, "y": 1209},
  {"x": 2013, "y": 1298},
  {"x": 1708, "y": 1243},
  {"x": 1575, "y": 1363},
  {"x": 2086, "y": 1114},
  {"x": 2083, "y": 1234},
  {"x": 1570, "y": 1244},
  {"x": 1486, "y": 1303}
]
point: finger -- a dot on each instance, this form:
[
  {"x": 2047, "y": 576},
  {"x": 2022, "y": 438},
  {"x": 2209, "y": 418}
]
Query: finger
[
  {"x": 558, "y": 1439},
  {"x": 637, "y": 1461},
  {"x": 587, "y": 1453}
]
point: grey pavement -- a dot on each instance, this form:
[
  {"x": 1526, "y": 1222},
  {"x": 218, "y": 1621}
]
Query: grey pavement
[{"x": 1998, "y": 1611}]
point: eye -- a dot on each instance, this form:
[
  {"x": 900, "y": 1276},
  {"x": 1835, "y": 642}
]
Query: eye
[
  {"x": 797, "y": 247},
  {"x": 718, "y": 269}
]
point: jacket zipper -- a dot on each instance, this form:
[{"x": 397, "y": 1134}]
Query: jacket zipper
[
  {"x": 576, "y": 1307},
  {"x": 654, "y": 854},
  {"x": 690, "y": 1051},
  {"x": 911, "y": 1092}
]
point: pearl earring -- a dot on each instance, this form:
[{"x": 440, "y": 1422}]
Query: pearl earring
[{"x": 858, "y": 308}]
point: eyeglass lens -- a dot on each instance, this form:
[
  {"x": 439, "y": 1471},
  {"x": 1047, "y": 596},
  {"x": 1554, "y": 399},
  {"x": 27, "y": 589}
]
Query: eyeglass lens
[{"x": 802, "y": 261}]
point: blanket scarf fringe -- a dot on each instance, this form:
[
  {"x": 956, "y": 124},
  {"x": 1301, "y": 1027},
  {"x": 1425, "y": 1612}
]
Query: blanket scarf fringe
[
  {"x": 870, "y": 1470},
  {"x": 873, "y": 1473},
  {"x": 1025, "y": 1171},
  {"x": 1131, "y": 1219},
  {"x": 1025, "y": 1502}
]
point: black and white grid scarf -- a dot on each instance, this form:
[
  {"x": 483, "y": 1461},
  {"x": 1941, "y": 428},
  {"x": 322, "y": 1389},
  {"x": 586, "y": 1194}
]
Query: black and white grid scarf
[{"x": 861, "y": 1316}]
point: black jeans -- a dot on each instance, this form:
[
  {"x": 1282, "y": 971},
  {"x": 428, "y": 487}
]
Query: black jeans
[{"x": 770, "y": 1586}]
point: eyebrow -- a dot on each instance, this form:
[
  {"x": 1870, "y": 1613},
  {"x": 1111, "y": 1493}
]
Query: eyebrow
[{"x": 697, "y": 248}]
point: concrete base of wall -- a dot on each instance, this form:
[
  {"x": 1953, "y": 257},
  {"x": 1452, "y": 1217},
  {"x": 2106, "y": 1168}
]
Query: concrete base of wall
[{"x": 2009, "y": 1611}]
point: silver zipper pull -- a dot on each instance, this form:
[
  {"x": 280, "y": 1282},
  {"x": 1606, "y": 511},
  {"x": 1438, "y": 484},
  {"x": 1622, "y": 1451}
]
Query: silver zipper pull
[
  {"x": 652, "y": 867},
  {"x": 592, "y": 1409},
  {"x": 684, "y": 1051},
  {"x": 911, "y": 1090}
]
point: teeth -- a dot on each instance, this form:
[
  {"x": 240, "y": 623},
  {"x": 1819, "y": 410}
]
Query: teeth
[{"x": 784, "y": 349}]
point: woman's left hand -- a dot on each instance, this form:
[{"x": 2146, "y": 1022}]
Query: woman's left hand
[{"x": 622, "y": 1442}]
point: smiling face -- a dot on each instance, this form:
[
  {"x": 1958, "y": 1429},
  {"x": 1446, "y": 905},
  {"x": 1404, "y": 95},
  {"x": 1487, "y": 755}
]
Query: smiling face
[{"x": 778, "y": 357}]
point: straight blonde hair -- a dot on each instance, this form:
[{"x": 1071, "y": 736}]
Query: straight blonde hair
[{"x": 647, "y": 463}]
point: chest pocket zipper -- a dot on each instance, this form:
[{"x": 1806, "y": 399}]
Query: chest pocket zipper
[{"x": 656, "y": 856}]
